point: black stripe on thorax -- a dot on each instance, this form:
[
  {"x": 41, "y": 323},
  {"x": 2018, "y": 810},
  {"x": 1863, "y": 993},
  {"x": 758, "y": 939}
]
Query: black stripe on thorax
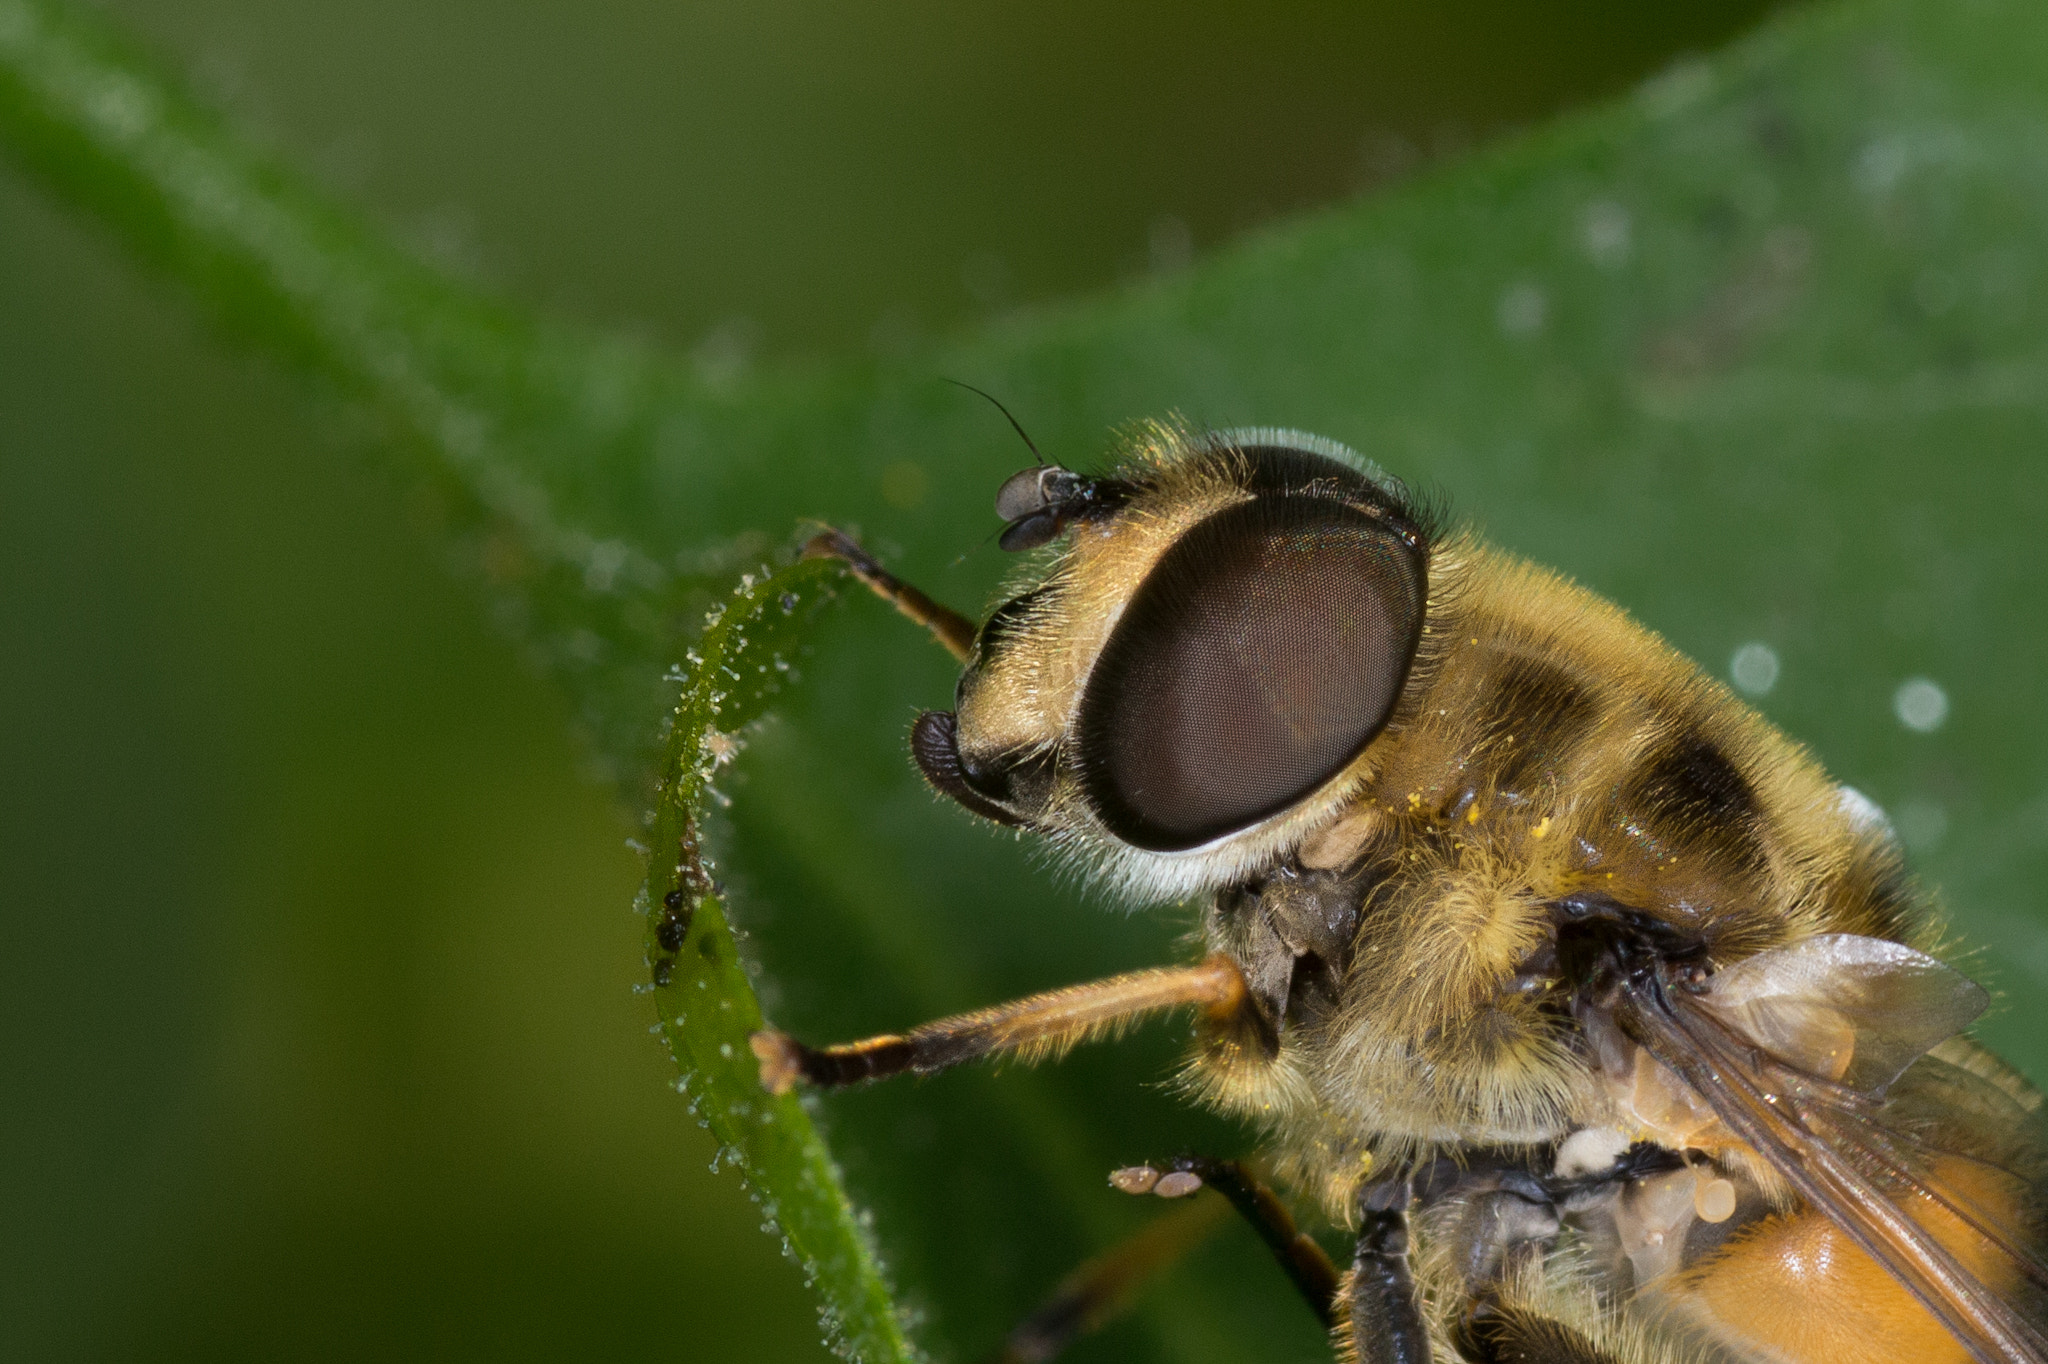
[
  {"x": 1530, "y": 719},
  {"x": 1689, "y": 791}
]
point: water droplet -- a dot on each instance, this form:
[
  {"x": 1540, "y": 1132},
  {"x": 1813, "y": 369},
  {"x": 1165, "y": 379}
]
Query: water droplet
[
  {"x": 1881, "y": 164},
  {"x": 1522, "y": 310},
  {"x": 607, "y": 558},
  {"x": 1608, "y": 233},
  {"x": 1920, "y": 704},
  {"x": 1754, "y": 668}
]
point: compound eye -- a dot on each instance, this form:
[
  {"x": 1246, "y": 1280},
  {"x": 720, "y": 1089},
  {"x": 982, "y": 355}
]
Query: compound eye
[{"x": 1259, "y": 656}]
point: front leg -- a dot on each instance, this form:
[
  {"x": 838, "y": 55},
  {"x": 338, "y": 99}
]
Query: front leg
[
  {"x": 953, "y": 631},
  {"x": 1039, "y": 1026}
]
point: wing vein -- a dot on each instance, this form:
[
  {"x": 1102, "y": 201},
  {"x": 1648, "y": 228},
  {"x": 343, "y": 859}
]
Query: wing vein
[{"x": 1716, "y": 1067}]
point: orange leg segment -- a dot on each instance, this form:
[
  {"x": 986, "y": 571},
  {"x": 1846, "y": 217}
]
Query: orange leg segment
[
  {"x": 951, "y": 629},
  {"x": 1032, "y": 1028}
]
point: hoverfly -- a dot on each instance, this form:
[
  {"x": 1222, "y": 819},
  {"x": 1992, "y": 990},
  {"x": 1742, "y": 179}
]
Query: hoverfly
[{"x": 1580, "y": 996}]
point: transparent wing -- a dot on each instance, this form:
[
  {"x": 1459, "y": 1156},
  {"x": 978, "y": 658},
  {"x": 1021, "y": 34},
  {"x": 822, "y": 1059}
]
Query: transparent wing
[{"x": 1816, "y": 1056}]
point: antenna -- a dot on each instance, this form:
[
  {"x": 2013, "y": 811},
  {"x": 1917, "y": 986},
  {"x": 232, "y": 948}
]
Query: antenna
[{"x": 1014, "y": 424}]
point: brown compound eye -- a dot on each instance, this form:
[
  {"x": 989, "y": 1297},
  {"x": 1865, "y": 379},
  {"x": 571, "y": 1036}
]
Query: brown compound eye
[{"x": 1259, "y": 656}]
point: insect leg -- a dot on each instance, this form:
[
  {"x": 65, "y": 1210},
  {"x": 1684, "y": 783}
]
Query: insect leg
[
  {"x": 1034, "y": 1027},
  {"x": 1104, "y": 1288},
  {"x": 948, "y": 626},
  {"x": 1303, "y": 1260},
  {"x": 1379, "y": 1320}
]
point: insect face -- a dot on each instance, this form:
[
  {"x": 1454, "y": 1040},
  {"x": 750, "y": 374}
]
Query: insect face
[{"x": 1194, "y": 677}]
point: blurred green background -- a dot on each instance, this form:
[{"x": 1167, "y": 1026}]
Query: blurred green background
[{"x": 286, "y": 824}]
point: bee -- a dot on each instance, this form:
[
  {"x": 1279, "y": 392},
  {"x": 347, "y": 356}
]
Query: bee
[{"x": 1605, "y": 1024}]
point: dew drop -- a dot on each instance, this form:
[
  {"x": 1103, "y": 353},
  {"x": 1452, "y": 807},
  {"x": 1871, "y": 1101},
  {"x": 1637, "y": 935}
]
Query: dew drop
[
  {"x": 1920, "y": 704},
  {"x": 1754, "y": 668},
  {"x": 1522, "y": 310},
  {"x": 1608, "y": 233}
]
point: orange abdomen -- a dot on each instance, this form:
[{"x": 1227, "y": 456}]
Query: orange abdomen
[{"x": 1794, "y": 1289}]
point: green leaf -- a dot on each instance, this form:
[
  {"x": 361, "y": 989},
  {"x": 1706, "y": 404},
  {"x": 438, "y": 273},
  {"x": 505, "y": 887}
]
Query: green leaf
[
  {"x": 1758, "y": 352},
  {"x": 701, "y": 990}
]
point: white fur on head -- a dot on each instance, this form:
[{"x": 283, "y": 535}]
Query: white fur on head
[{"x": 1144, "y": 877}]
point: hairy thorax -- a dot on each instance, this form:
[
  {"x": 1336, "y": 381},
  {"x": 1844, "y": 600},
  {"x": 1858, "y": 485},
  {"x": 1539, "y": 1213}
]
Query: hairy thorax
[{"x": 1556, "y": 757}]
